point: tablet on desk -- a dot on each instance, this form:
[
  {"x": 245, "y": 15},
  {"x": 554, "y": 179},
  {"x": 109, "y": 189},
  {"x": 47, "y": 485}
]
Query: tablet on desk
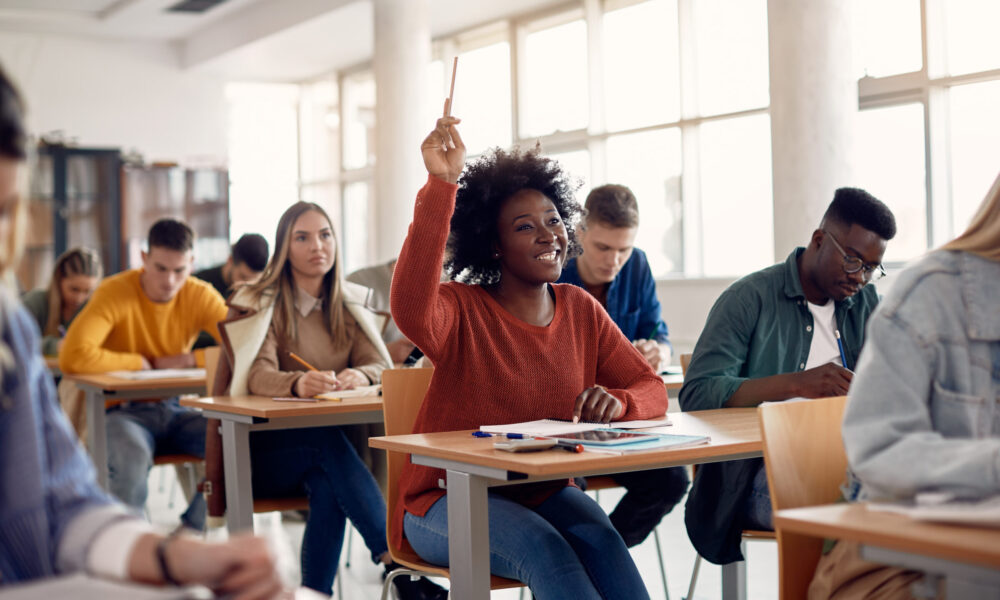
[{"x": 602, "y": 437}]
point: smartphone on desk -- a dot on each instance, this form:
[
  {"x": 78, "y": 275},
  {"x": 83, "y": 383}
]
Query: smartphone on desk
[
  {"x": 525, "y": 445},
  {"x": 604, "y": 437}
]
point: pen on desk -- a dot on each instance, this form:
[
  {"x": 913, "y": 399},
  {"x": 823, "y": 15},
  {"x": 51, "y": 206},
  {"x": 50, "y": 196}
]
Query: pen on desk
[
  {"x": 299, "y": 360},
  {"x": 516, "y": 436},
  {"x": 481, "y": 434},
  {"x": 840, "y": 346},
  {"x": 569, "y": 446}
]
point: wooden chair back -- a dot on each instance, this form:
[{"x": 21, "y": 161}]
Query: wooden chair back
[
  {"x": 211, "y": 367},
  {"x": 685, "y": 361},
  {"x": 403, "y": 392},
  {"x": 806, "y": 463}
]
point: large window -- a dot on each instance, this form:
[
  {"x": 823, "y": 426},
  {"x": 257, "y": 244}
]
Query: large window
[
  {"x": 671, "y": 97},
  {"x": 929, "y": 122}
]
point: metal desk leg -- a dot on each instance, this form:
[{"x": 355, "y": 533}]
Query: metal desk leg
[
  {"x": 239, "y": 490},
  {"x": 97, "y": 434},
  {"x": 734, "y": 580},
  {"x": 468, "y": 536}
]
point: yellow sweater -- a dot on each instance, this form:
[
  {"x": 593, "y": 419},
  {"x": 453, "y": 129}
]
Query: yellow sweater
[{"x": 119, "y": 325}]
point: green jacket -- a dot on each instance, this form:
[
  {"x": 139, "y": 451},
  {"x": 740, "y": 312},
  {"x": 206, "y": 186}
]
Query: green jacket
[
  {"x": 37, "y": 303},
  {"x": 760, "y": 326}
]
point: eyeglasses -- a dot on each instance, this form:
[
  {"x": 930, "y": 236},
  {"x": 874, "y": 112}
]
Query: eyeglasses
[{"x": 853, "y": 264}]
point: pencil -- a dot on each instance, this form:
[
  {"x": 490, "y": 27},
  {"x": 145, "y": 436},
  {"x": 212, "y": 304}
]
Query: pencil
[
  {"x": 451, "y": 91},
  {"x": 299, "y": 360}
]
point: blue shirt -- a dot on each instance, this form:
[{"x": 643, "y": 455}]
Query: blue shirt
[
  {"x": 631, "y": 301},
  {"x": 46, "y": 479}
]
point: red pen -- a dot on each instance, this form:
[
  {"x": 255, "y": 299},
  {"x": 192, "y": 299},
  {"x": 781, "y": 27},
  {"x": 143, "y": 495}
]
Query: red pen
[{"x": 569, "y": 446}]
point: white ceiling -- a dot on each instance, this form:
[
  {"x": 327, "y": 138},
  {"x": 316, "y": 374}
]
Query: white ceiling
[{"x": 266, "y": 40}]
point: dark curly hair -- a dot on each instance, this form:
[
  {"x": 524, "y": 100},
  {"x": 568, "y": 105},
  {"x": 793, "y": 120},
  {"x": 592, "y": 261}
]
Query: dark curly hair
[{"x": 485, "y": 184}]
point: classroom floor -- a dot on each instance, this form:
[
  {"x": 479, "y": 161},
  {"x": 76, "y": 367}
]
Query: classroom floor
[{"x": 362, "y": 580}]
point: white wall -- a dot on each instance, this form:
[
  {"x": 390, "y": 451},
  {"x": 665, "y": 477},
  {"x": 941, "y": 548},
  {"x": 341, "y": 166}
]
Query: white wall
[{"x": 131, "y": 95}]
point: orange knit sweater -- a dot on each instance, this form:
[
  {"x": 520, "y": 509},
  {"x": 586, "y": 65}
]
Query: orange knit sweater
[{"x": 492, "y": 368}]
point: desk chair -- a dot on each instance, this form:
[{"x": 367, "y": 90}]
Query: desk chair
[
  {"x": 805, "y": 460},
  {"x": 737, "y": 570},
  {"x": 402, "y": 393}
]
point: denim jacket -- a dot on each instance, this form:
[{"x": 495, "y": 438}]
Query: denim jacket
[{"x": 924, "y": 409}]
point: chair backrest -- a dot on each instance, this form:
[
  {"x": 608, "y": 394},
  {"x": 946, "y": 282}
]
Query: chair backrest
[
  {"x": 211, "y": 367},
  {"x": 806, "y": 463},
  {"x": 685, "y": 361},
  {"x": 403, "y": 392}
]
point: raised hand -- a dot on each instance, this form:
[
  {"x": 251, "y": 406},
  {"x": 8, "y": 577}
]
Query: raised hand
[
  {"x": 444, "y": 151},
  {"x": 596, "y": 405}
]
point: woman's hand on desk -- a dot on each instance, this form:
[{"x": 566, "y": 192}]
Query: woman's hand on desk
[
  {"x": 444, "y": 151},
  {"x": 596, "y": 405},
  {"x": 351, "y": 378},
  {"x": 315, "y": 382}
]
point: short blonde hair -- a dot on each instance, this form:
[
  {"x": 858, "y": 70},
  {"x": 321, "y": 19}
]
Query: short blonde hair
[{"x": 982, "y": 237}]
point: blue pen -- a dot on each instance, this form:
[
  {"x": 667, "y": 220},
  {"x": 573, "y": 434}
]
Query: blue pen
[
  {"x": 516, "y": 436},
  {"x": 840, "y": 346},
  {"x": 481, "y": 434}
]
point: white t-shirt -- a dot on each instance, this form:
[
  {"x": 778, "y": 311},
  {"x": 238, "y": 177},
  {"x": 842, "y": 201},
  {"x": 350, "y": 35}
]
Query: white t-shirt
[{"x": 824, "y": 347}]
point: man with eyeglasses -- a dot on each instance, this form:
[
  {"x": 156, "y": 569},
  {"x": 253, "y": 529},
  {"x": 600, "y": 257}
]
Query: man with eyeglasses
[{"x": 792, "y": 330}]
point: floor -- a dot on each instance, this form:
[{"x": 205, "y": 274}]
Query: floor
[{"x": 362, "y": 579}]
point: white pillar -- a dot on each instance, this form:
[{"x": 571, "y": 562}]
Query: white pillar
[
  {"x": 814, "y": 98},
  {"x": 402, "y": 53}
]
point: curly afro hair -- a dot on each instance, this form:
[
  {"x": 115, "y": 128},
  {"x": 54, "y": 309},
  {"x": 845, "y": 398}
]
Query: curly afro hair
[{"x": 484, "y": 186}]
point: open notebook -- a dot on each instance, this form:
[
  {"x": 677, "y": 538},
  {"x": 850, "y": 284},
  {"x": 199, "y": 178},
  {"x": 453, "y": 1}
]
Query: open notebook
[
  {"x": 545, "y": 427},
  {"x": 153, "y": 374}
]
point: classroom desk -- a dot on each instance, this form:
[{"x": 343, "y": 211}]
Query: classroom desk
[
  {"x": 968, "y": 558},
  {"x": 100, "y": 388},
  {"x": 242, "y": 414},
  {"x": 473, "y": 466}
]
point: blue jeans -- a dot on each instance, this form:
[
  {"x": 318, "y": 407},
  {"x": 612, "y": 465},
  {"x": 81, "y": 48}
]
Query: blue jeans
[
  {"x": 138, "y": 431},
  {"x": 321, "y": 464},
  {"x": 757, "y": 508},
  {"x": 564, "y": 548}
]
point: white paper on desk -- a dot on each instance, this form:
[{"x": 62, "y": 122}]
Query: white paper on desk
[
  {"x": 81, "y": 587},
  {"x": 359, "y": 392},
  {"x": 547, "y": 427},
  {"x": 153, "y": 374},
  {"x": 933, "y": 507}
]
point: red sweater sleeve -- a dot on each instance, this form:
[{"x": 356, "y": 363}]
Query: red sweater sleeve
[
  {"x": 623, "y": 371},
  {"x": 423, "y": 309}
]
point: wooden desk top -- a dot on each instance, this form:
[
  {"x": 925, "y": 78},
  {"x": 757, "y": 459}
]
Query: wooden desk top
[
  {"x": 734, "y": 431},
  {"x": 268, "y": 408},
  {"x": 856, "y": 523},
  {"x": 111, "y": 383}
]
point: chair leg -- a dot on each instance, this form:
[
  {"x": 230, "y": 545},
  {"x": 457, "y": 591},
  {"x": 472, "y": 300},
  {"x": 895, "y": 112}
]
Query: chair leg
[
  {"x": 387, "y": 584},
  {"x": 734, "y": 577},
  {"x": 694, "y": 577},
  {"x": 659, "y": 556},
  {"x": 350, "y": 540}
]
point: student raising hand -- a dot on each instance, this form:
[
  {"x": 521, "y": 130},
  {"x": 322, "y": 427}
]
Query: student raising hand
[{"x": 444, "y": 151}]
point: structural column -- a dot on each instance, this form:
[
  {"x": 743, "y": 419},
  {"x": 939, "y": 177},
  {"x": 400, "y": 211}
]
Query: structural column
[
  {"x": 814, "y": 99},
  {"x": 402, "y": 53}
]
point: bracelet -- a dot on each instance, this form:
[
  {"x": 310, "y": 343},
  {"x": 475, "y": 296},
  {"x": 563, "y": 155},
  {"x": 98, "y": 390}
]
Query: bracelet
[{"x": 161, "y": 557}]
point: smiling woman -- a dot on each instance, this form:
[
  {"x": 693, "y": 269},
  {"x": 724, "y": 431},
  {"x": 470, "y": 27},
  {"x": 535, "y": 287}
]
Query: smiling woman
[{"x": 510, "y": 345}]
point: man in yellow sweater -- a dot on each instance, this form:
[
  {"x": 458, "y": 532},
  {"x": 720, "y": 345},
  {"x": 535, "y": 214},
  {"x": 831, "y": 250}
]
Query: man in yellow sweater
[{"x": 148, "y": 318}]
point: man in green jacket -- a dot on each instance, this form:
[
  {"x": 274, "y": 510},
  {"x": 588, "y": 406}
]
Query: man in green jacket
[{"x": 792, "y": 330}]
